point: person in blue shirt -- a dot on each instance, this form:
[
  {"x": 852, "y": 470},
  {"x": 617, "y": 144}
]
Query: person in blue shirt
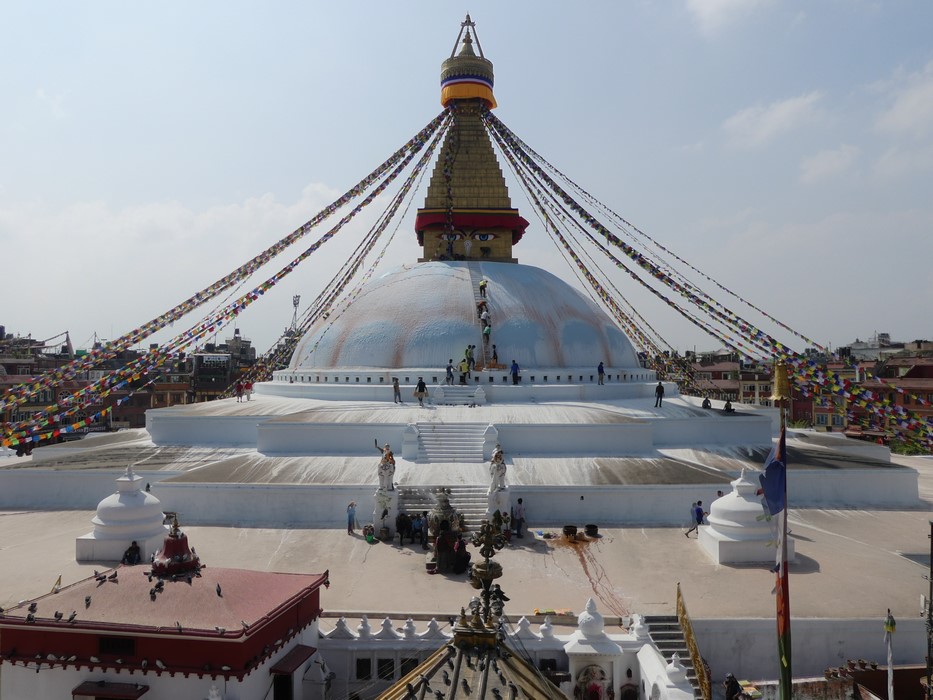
[
  {"x": 698, "y": 515},
  {"x": 351, "y": 517}
]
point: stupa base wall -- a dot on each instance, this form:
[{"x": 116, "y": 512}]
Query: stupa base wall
[
  {"x": 324, "y": 505},
  {"x": 93, "y": 548},
  {"x": 725, "y": 550}
]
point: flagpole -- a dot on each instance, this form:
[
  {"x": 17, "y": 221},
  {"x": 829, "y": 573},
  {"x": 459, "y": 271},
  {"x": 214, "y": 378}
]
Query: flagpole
[
  {"x": 890, "y": 626},
  {"x": 782, "y": 394}
]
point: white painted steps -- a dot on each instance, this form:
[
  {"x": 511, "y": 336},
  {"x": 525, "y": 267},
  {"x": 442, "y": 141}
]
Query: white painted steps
[
  {"x": 451, "y": 442},
  {"x": 471, "y": 501}
]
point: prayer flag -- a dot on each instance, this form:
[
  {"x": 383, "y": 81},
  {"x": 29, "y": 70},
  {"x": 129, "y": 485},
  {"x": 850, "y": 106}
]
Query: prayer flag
[
  {"x": 774, "y": 484},
  {"x": 774, "y": 478}
]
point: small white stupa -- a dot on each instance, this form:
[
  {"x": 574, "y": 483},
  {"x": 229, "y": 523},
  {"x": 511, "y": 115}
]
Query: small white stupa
[
  {"x": 127, "y": 516},
  {"x": 594, "y": 658},
  {"x": 738, "y": 530}
]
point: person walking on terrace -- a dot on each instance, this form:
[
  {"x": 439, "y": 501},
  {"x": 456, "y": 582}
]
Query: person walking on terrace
[
  {"x": 698, "y": 515},
  {"x": 658, "y": 395},
  {"x": 421, "y": 391}
]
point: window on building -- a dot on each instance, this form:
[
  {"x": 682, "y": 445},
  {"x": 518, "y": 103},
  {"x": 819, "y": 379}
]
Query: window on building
[
  {"x": 750, "y": 388},
  {"x": 386, "y": 669},
  {"x": 364, "y": 669},
  {"x": 837, "y": 420},
  {"x": 821, "y": 419}
]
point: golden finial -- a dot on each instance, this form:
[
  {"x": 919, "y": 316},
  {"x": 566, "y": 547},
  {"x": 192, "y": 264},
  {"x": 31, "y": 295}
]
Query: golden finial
[{"x": 781, "y": 389}]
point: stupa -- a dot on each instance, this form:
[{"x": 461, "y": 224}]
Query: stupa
[
  {"x": 579, "y": 450},
  {"x": 129, "y": 515},
  {"x": 424, "y": 314},
  {"x": 739, "y": 529}
]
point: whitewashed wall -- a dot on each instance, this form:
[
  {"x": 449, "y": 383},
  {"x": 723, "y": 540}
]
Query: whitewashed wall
[
  {"x": 63, "y": 490},
  {"x": 246, "y": 505},
  {"x": 285, "y": 438},
  {"x": 167, "y": 428},
  {"x": 324, "y": 506},
  {"x": 748, "y": 647},
  {"x": 713, "y": 430}
]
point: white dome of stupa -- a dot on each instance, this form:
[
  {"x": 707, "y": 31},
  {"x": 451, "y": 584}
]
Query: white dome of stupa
[
  {"x": 590, "y": 622},
  {"x": 129, "y": 515},
  {"x": 739, "y": 529},
  {"x": 738, "y": 514},
  {"x": 423, "y": 314},
  {"x": 130, "y": 512}
]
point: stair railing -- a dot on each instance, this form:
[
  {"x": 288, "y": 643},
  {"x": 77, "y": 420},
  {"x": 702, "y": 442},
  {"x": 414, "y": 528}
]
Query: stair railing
[{"x": 698, "y": 666}]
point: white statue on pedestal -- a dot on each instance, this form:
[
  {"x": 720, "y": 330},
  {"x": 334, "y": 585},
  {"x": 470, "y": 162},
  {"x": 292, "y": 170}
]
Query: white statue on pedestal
[
  {"x": 386, "y": 469},
  {"x": 497, "y": 470}
]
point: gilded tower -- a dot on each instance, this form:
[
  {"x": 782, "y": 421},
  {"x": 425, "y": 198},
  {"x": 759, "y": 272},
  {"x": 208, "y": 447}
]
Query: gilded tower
[{"x": 467, "y": 212}]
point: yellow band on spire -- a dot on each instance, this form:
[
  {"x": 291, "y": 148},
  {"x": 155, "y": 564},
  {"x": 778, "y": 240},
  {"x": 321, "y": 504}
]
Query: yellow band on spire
[{"x": 466, "y": 91}]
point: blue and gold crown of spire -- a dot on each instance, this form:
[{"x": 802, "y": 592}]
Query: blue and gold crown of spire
[{"x": 466, "y": 75}]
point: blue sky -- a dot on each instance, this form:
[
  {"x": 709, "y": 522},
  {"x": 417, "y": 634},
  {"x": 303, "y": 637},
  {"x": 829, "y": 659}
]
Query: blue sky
[{"x": 784, "y": 148}]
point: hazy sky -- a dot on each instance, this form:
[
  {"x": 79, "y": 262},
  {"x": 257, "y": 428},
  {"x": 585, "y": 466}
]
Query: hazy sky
[{"x": 784, "y": 148}]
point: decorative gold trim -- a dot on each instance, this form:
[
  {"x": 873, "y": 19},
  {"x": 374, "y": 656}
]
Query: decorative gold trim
[{"x": 699, "y": 668}]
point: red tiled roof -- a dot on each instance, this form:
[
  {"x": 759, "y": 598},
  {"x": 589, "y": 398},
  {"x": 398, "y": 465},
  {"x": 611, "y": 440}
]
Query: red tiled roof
[
  {"x": 187, "y": 627},
  {"x": 248, "y": 596}
]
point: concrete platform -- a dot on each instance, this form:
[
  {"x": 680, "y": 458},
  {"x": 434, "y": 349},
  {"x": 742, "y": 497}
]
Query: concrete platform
[{"x": 850, "y": 563}]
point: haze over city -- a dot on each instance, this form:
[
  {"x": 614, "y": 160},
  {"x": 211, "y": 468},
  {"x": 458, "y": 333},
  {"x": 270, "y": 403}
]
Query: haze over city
[{"x": 785, "y": 149}]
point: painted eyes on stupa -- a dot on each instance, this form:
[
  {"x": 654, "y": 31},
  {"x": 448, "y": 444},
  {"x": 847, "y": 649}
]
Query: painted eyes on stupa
[{"x": 481, "y": 237}]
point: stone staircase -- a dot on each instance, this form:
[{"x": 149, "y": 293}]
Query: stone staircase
[
  {"x": 469, "y": 500},
  {"x": 668, "y": 637},
  {"x": 451, "y": 442},
  {"x": 458, "y": 395}
]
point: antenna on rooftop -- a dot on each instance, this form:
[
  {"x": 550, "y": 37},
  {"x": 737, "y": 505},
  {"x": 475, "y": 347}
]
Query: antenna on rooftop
[{"x": 295, "y": 301}]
